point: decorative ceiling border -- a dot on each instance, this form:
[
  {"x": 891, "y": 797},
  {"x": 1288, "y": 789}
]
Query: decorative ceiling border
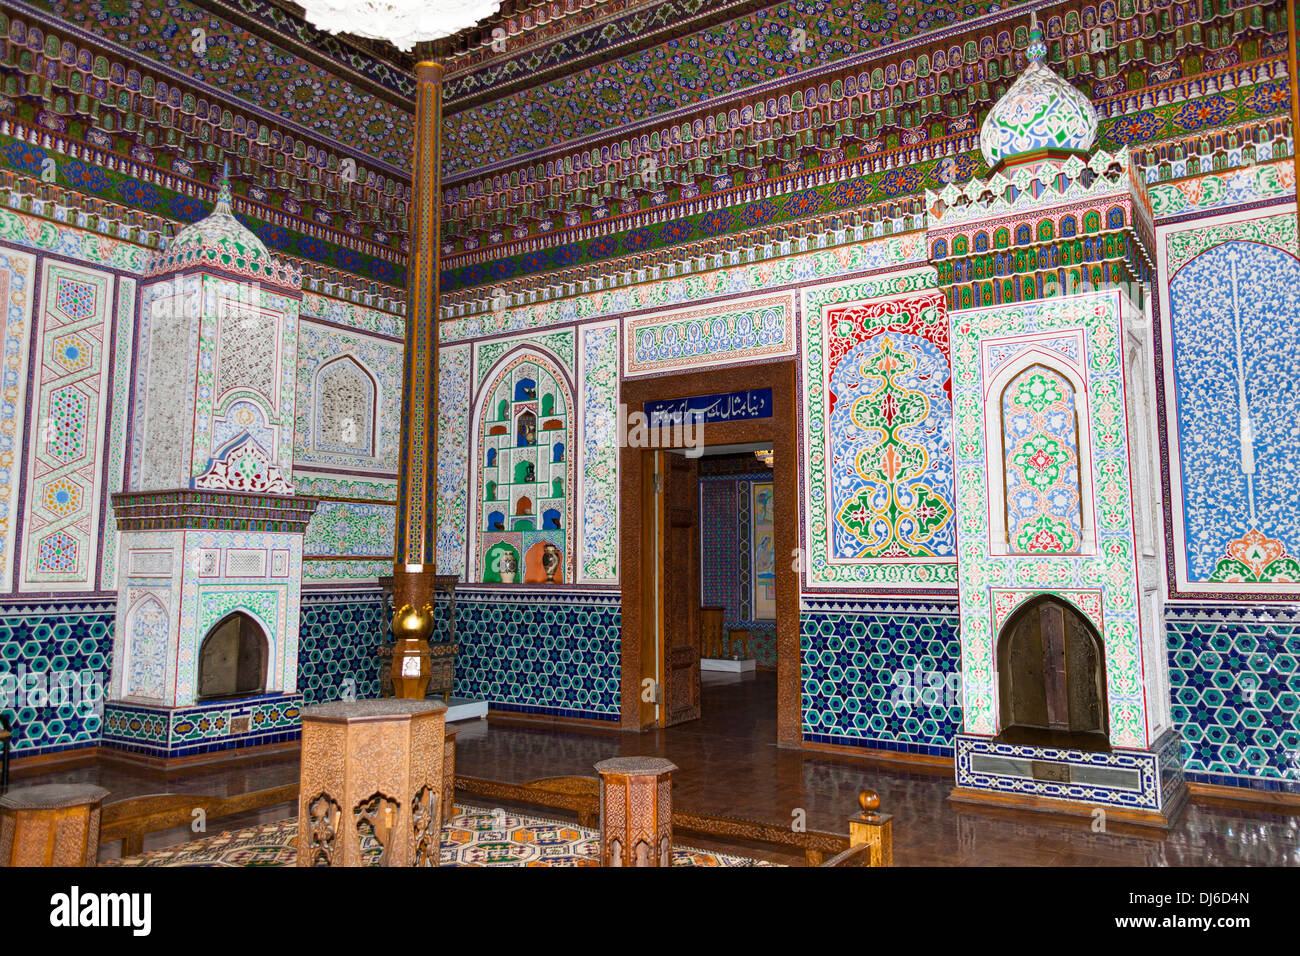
[{"x": 53, "y": 23}]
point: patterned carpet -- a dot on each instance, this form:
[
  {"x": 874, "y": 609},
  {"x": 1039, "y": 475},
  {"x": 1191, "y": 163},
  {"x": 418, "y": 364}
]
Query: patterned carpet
[{"x": 473, "y": 837}]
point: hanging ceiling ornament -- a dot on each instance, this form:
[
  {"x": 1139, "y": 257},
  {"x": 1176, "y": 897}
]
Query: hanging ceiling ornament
[{"x": 403, "y": 23}]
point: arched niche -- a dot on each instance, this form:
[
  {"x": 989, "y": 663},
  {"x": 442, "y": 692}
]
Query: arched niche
[
  {"x": 523, "y": 423},
  {"x": 233, "y": 659},
  {"x": 1038, "y": 452},
  {"x": 1051, "y": 667},
  {"x": 146, "y": 656},
  {"x": 345, "y": 402}
]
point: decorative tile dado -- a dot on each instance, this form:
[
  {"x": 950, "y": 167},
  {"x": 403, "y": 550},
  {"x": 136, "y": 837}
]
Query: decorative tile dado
[
  {"x": 724, "y": 333},
  {"x": 547, "y": 653},
  {"x": 1234, "y": 673},
  {"x": 206, "y": 728},
  {"x": 64, "y": 648},
  {"x": 880, "y": 675},
  {"x": 1148, "y": 780},
  {"x": 337, "y": 643}
]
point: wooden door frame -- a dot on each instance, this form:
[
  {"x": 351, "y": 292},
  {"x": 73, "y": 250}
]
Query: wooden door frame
[{"x": 782, "y": 430}]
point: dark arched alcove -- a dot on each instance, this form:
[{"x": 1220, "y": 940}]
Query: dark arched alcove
[
  {"x": 1052, "y": 677},
  {"x": 232, "y": 659}
]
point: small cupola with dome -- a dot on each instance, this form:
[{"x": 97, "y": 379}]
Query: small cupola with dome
[{"x": 1041, "y": 118}]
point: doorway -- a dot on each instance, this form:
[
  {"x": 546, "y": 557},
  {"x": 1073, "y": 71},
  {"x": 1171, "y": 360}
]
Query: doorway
[{"x": 660, "y": 557}]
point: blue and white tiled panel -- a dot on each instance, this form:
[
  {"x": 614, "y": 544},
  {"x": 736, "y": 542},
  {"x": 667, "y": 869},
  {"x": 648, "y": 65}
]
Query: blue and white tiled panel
[
  {"x": 542, "y": 652},
  {"x": 1234, "y": 676},
  {"x": 880, "y": 675},
  {"x": 54, "y": 663},
  {"x": 1142, "y": 780},
  {"x": 204, "y": 728},
  {"x": 337, "y": 644}
]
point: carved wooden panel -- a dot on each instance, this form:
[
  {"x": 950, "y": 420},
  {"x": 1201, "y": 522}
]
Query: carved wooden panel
[
  {"x": 372, "y": 776},
  {"x": 636, "y": 811}
]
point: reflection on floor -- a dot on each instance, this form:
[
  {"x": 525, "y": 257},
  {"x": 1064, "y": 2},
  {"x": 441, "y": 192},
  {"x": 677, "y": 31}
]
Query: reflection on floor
[{"x": 729, "y": 764}]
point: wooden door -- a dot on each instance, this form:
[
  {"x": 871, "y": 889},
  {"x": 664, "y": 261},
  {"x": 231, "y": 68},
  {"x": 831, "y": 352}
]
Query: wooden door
[{"x": 679, "y": 587}]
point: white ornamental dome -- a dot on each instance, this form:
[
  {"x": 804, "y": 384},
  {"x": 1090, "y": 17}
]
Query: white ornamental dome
[
  {"x": 1041, "y": 116},
  {"x": 220, "y": 232}
]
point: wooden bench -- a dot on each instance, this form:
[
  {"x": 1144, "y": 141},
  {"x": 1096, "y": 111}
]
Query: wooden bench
[
  {"x": 869, "y": 842},
  {"x": 130, "y": 819}
]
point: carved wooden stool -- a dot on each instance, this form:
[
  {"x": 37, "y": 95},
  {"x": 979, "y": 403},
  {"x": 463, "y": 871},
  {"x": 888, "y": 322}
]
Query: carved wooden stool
[
  {"x": 636, "y": 811},
  {"x": 371, "y": 769},
  {"x": 53, "y": 824}
]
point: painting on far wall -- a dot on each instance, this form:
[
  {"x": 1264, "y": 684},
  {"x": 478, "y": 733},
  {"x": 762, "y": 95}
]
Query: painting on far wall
[{"x": 764, "y": 563}]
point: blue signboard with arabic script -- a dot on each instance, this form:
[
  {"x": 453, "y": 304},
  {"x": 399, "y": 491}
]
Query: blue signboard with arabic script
[{"x": 711, "y": 409}]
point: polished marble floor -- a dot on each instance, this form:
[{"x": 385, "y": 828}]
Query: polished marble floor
[{"x": 729, "y": 764}]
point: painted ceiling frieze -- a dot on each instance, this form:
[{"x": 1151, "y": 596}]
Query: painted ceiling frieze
[
  {"x": 764, "y": 207},
  {"x": 517, "y": 56},
  {"x": 767, "y": 44},
  {"x": 377, "y": 67},
  {"x": 924, "y": 97},
  {"x": 193, "y": 46}
]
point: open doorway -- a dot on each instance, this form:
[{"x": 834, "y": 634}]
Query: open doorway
[{"x": 666, "y": 576}]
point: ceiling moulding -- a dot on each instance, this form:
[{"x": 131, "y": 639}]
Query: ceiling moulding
[
  {"x": 334, "y": 119},
  {"x": 378, "y": 67},
  {"x": 30, "y": 197},
  {"x": 470, "y": 235},
  {"x": 1153, "y": 40},
  {"x": 533, "y": 57}
]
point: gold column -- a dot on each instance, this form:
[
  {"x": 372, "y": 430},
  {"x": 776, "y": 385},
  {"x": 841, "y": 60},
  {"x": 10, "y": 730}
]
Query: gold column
[{"x": 416, "y": 545}]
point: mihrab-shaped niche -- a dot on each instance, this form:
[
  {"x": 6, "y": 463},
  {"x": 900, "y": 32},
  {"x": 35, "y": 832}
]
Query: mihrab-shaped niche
[{"x": 524, "y": 422}]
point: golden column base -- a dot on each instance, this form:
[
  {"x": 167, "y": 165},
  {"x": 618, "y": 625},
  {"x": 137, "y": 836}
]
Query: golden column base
[{"x": 411, "y": 670}]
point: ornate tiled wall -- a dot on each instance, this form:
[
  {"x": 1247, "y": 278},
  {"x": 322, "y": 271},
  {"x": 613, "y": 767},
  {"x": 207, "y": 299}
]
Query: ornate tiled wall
[
  {"x": 59, "y": 647},
  {"x": 543, "y": 653},
  {"x": 1234, "y": 673},
  {"x": 346, "y": 437},
  {"x": 880, "y": 675},
  {"x": 1229, "y": 329},
  {"x": 879, "y": 510},
  {"x": 337, "y": 641}
]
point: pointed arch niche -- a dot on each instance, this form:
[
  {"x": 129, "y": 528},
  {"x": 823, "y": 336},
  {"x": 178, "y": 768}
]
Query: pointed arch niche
[
  {"x": 346, "y": 403},
  {"x": 148, "y": 632},
  {"x": 1038, "y": 452},
  {"x": 522, "y": 512}
]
